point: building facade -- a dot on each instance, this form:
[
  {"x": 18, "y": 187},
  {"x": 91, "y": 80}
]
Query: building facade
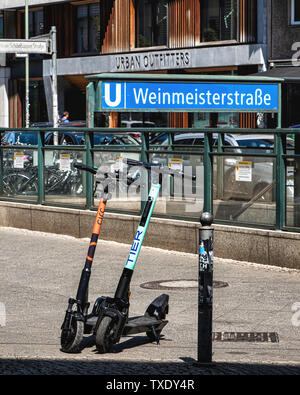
[
  {"x": 284, "y": 53},
  {"x": 140, "y": 36}
]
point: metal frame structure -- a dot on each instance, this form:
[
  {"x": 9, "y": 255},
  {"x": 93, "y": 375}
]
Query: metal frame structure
[{"x": 279, "y": 154}]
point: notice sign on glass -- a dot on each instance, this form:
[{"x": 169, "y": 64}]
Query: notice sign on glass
[
  {"x": 243, "y": 171},
  {"x": 176, "y": 164},
  {"x": 19, "y": 160},
  {"x": 189, "y": 96},
  {"x": 65, "y": 162}
]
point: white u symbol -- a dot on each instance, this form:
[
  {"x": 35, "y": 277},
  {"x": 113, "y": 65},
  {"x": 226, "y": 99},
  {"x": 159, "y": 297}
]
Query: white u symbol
[{"x": 118, "y": 98}]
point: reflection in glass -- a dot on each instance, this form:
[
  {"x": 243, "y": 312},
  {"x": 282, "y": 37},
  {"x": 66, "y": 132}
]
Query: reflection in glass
[
  {"x": 124, "y": 196},
  {"x": 218, "y": 20},
  {"x": 151, "y": 23},
  {"x": 180, "y": 197},
  {"x": 244, "y": 189},
  {"x": 88, "y": 28},
  {"x": 19, "y": 179},
  {"x": 293, "y": 192},
  {"x": 62, "y": 181}
]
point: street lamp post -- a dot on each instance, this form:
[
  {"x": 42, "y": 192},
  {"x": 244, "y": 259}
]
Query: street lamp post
[
  {"x": 27, "y": 115},
  {"x": 54, "y": 82}
]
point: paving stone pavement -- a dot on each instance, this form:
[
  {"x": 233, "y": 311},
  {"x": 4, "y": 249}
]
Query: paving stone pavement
[
  {"x": 40, "y": 271},
  {"x": 80, "y": 367}
]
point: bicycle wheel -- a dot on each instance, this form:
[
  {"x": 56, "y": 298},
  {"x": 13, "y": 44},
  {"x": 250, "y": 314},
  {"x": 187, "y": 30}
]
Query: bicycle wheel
[
  {"x": 105, "y": 334},
  {"x": 71, "y": 338},
  {"x": 19, "y": 184}
]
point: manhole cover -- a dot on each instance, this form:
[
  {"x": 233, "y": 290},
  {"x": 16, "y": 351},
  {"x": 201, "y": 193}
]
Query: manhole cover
[
  {"x": 179, "y": 284},
  {"x": 267, "y": 337}
]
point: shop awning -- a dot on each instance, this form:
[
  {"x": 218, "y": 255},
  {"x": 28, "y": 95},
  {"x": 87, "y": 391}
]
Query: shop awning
[{"x": 288, "y": 73}]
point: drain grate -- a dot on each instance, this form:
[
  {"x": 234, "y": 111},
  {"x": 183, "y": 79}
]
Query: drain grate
[
  {"x": 267, "y": 337},
  {"x": 179, "y": 284}
]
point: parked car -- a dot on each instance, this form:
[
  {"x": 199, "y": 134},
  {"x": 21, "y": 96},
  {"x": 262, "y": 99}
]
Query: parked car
[
  {"x": 75, "y": 124},
  {"x": 158, "y": 138},
  {"x": 31, "y": 138},
  {"x": 137, "y": 124},
  {"x": 260, "y": 143},
  {"x": 66, "y": 137},
  {"x": 116, "y": 139}
]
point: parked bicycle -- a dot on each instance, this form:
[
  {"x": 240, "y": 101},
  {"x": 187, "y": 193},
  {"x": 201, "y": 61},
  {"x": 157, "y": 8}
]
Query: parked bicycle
[{"x": 25, "y": 181}]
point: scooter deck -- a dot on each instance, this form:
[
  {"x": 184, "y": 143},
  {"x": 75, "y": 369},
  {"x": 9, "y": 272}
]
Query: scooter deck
[
  {"x": 134, "y": 325},
  {"x": 142, "y": 324}
]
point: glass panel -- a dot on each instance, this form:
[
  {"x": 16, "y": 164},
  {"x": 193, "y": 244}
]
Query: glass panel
[
  {"x": 124, "y": 197},
  {"x": 255, "y": 144},
  {"x": 244, "y": 189},
  {"x": 19, "y": 138},
  {"x": 64, "y": 183},
  {"x": 297, "y": 11},
  {"x": 30, "y": 24},
  {"x": 293, "y": 192},
  {"x": 215, "y": 120},
  {"x": 82, "y": 29},
  {"x": 146, "y": 120},
  {"x": 36, "y": 23},
  {"x": 39, "y": 23},
  {"x": 218, "y": 20},
  {"x": 151, "y": 23},
  {"x": 88, "y": 28},
  {"x": 115, "y": 140},
  {"x": 181, "y": 197},
  {"x": 1, "y": 26},
  {"x": 37, "y": 100},
  {"x": 94, "y": 30},
  {"x": 19, "y": 179}
]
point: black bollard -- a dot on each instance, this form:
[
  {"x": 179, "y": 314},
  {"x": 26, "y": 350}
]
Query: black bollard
[{"x": 205, "y": 293}]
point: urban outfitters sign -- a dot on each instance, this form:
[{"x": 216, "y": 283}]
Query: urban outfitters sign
[
  {"x": 152, "y": 61},
  {"x": 189, "y": 96}
]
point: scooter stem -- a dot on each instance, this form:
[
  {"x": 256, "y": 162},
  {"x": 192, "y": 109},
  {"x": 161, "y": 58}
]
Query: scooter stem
[
  {"x": 82, "y": 292},
  {"x": 124, "y": 282}
]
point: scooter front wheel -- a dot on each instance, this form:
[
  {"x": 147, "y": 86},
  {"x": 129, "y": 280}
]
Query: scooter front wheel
[
  {"x": 71, "y": 338},
  {"x": 105, "y": 335}
]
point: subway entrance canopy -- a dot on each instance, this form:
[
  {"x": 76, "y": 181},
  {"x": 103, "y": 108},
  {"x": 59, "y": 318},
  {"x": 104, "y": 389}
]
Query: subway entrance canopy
[
  {"x": 184, "y": 93},
  {"x": 188, "y": 93}
]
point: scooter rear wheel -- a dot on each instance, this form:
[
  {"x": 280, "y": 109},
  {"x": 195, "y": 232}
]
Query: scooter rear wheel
[
  {"x": 72, "y": 338},
  {"x": 105, "y": 334}
]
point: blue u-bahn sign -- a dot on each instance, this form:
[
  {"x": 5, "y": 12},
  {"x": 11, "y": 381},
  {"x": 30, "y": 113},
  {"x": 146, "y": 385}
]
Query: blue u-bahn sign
[{"x": 188, "y": 96}]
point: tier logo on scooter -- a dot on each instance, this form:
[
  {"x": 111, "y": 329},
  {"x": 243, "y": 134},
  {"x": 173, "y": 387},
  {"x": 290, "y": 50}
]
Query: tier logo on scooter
[
  {"x": 134, "y": 249},
  {"x": 113, "y": 95}
]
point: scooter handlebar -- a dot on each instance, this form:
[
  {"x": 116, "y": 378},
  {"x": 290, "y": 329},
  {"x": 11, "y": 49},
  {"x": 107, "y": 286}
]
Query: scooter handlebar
[
  {"x": 84, "y": 167},
  {"x": 159, "y": 168}
]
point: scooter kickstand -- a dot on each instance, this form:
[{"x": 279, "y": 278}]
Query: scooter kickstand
[{"x": 156, "y": 336}]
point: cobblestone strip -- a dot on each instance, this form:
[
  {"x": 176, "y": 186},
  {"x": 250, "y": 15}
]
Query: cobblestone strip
[{"x": 80, "y": 367}]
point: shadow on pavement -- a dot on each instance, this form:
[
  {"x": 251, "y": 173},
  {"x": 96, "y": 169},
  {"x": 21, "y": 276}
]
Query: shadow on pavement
[{"x": 107, "y": 367}]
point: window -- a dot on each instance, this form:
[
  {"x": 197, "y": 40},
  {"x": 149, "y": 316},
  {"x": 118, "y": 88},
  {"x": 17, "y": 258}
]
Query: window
[
  {"x": 88, "y": 28},
  {"x": 1, "y": 26},
  {"x": 35, "y": 23},
  {"x": 151, "y": 23},
  {"x": 37, "y": 100},
  {"x": 295, "y": 12},
  {"x": 219, "y": 20}
]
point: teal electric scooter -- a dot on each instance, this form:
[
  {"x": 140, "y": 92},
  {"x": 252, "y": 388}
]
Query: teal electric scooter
[{"x": 113, "y": 313}]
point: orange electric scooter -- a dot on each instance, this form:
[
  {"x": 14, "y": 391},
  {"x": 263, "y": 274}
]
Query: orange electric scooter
[{"x": 75, "y": 322}]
